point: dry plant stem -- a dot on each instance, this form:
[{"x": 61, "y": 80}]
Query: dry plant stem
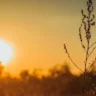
[
  {"x": 92, "y": 45},
  {"x": 87, "y": 27},
  {"x": 93, "y": 62},
  {"x": 87, "y": 23},
  {"x": 91, "y": 52},
  {"x": 85, "y": 70},
  {"x": 71, "y": 59}
]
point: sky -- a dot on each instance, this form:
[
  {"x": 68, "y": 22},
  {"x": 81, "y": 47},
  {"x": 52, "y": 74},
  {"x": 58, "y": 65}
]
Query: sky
[{"x": 38, "y": 29}]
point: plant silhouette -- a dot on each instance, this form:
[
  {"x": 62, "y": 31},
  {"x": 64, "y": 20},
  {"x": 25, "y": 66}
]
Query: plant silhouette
[{"x": 87, "y": 23}]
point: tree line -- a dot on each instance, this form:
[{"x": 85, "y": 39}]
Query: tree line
[{"x": 59, "y": 82}]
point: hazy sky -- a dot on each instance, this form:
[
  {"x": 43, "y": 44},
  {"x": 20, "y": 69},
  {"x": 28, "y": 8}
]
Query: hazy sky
[{"x": 38, "y": 29}]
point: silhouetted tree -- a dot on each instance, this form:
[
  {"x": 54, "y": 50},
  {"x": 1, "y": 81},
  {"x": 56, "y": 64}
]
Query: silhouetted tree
[{"x": 24, "y": 75}]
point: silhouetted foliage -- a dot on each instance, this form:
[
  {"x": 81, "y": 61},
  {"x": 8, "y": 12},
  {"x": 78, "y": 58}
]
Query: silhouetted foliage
[{"x": 59, "y": 82}]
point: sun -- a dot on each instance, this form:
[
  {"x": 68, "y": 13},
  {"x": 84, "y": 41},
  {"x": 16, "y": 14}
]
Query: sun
[{"x": 6, "y": 52}]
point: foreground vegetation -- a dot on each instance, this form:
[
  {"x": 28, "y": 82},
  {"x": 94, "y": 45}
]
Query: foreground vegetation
[{"x": 59, "y": 82}]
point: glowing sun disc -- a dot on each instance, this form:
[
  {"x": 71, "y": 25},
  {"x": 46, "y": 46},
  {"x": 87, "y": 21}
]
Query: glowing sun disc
[{"x": 6, "y": 52}]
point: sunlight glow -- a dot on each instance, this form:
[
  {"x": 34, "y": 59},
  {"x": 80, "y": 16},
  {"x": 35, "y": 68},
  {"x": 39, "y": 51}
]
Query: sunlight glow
[{"x": 6, "y": 52}]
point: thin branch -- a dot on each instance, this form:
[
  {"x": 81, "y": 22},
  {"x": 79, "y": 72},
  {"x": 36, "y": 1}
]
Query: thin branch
[
  {"x": 75, "y": 64},
  {"x": 91, "y": 52},
  {"x": 92, "y": 45},
  {"x": 93, "y": 62},
  {"x": 71, "y": 58}
]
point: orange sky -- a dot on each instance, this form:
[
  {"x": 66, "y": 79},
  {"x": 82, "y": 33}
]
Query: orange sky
[{"x": 38, "y": 29}]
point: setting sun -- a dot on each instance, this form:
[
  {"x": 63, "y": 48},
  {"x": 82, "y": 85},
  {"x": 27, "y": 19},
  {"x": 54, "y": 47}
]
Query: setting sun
[{"x": 6, "y": 52}]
